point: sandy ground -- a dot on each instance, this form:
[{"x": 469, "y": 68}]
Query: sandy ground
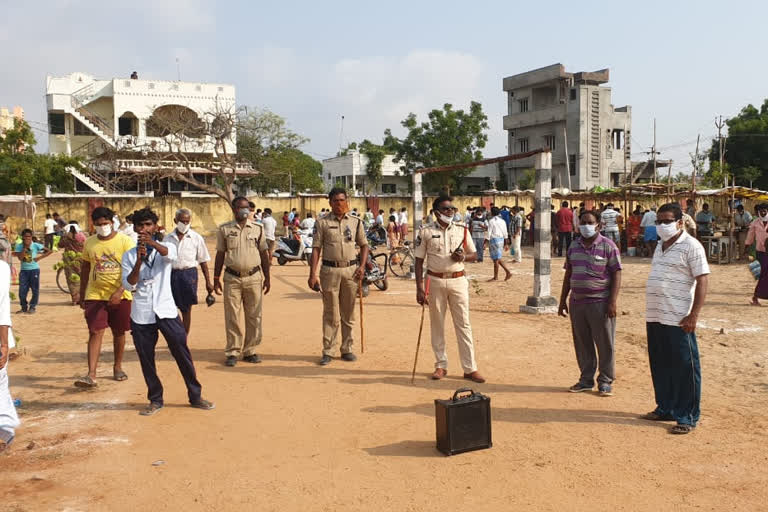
[{"x": 289, "y": 435}]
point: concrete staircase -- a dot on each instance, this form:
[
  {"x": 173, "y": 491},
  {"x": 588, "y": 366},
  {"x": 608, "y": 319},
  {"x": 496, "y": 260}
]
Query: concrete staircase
[{"x": 85, "y": 178}]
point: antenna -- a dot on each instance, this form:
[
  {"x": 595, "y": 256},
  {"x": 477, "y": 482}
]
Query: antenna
[
  {"x": 341, "y": 134},
  {"x": 178, "y": 70}
]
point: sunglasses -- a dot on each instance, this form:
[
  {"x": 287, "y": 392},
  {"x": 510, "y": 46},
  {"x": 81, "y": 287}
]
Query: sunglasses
[{"x": 447, "y": 209}]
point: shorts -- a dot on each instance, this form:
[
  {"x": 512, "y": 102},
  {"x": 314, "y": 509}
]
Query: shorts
[
  {"x": 650, "y": 235},
  {"x": 496, "y": 248},
  {"x": 99, "y": 315},
  {"x": 184, "y": 288}
]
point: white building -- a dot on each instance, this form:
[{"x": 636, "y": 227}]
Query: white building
[
  {"x": 87, "y": 116},
  {"x": 350, "y": 171}
]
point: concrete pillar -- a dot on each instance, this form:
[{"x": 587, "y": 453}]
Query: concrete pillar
[
  {"x": 541, "y": 301},
  {"x": 418, "y": 206}
]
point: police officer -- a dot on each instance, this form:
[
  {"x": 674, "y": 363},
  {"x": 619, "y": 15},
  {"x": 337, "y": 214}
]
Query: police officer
[
  {"x": 335, "y": 237},
  {"x": 446, "y": 245},
  {"x": 241, "y": 252}
]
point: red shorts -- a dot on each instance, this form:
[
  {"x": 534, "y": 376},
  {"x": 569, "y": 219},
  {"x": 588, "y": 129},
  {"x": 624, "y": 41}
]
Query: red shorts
[{"x": 99, "y": 315}]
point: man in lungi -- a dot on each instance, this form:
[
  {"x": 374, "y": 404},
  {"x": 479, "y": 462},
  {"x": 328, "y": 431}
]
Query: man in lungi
[
  {"x": 192, "y": 252},
  {"x": 498, "y": 242},
  {"x": 758, "y": 234}
]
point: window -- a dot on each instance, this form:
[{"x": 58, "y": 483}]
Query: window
[
  {"x": 388, "y": 188},
  {"x": 329, "y": 176},
  {"x": 572, "y": 164},
  {"x": 523, "y": 145},
  {"x": 549, "y": 140},
  {"x": 81, "y": 129},
  {"x": 56, "y": 124},
  {"x": 618, "y": 139},
  {"x": 523, "y": 104},
  {"x": 151, "y": 85},
  {"x": 573, "y": 94}
]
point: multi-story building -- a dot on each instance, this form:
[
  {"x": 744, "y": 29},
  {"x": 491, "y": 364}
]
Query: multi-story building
[
  {"x": 7, "y": 118},
  {"x": 350, "y": 171},
  {"x": 90, "y": 117},
  {"x": 572, "y": 115}
]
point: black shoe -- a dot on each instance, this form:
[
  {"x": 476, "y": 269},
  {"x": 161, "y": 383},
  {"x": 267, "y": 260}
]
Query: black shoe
[
  {"x": 349, "y": 356},
  {"x": 324, "y": 360},
  {"x": 31, "y": 311},
  {"x": 253, "y": 358},
  {"x": 231, "y": 361}
]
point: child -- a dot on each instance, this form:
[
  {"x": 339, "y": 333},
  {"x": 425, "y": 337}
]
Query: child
[{"x": 29, "y": 253}]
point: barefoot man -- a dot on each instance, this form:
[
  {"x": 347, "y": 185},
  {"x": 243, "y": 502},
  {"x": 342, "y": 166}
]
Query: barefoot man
[{"x": 498, "y": 242}]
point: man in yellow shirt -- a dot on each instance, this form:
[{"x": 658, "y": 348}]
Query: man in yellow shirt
[{"x": 102, "y": 297}]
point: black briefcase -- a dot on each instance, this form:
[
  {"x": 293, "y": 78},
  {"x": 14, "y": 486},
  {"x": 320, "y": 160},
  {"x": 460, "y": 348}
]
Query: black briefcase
[{"x": 463, "y": 422}]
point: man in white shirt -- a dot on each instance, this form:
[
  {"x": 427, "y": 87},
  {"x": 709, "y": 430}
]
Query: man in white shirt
[
  {"x": 50, "y": 230},
  {"x": 146, "y": 271},
  {"x": 9, "y": 420},
  {"x": 648, "y": 223},
  {"x": 270, "y": 224},
  {"x": 127, "y": 229},
  {"x": 191, "y": 252},
  {"x": 498, "y": 242},
  {"x": 674, "y": 296},
  {"x": 609, "y": 222},
  {"x": 308, "y": 223},
  {"x": 403, "y": 223}
]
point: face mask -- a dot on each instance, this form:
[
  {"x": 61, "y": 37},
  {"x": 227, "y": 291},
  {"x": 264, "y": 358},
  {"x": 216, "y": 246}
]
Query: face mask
[
  {"x": 104, "y": 230},
  {"x": 340, "y": 209},
  {"x": 243, "y": 213},
  {"x": 182, "y": 228},
  {"x": 667, "y": 231},
  {"x": 447, "y": 219},
  {"x": 764, "y": 218},
  {"x": 587, "y": 230}
]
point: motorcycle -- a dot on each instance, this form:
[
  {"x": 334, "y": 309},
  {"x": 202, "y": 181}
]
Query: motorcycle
[
  {"x": 288, "y": 248},
  {"x": 375, "y": 272}
]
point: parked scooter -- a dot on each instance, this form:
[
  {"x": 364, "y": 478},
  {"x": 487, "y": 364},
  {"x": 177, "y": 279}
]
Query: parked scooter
[
  {"x": 288, "y": 248},
  {"x": 375, "y": 273}
]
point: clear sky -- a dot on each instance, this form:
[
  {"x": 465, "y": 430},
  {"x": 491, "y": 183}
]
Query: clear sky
[{"x": 682, "y": 62}]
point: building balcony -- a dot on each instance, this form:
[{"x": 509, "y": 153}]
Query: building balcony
[{"x": 551, "y": 114}]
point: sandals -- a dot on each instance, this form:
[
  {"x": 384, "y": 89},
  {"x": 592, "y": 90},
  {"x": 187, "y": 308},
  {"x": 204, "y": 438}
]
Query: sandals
[
  {"x": 681, "y": 429},
  {"x": 119, "y": 375},
  {"x": 85, "y": 382},
  {"x": 652, "y": 416},
  {"x": 203, "y": 404},
  {"x": 151, "y": 409}
]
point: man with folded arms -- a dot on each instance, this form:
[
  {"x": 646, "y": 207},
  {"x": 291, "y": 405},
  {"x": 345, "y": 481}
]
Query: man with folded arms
[{"x": 445, "y": 245}]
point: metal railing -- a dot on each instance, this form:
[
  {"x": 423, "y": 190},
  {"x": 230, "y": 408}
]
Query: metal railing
[{"x": 94, "y": 119}]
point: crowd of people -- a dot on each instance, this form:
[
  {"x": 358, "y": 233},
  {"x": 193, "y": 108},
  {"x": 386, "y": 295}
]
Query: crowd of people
[{"x": 133, "y": 276}]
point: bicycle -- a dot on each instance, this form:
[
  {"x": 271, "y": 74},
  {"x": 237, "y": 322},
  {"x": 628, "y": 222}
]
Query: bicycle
[
  {"x": 402, "y": 259},
  {"x": 61, "y": 280}
]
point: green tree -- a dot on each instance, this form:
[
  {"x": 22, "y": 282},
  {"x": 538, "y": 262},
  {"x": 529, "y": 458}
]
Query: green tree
[
  {"x": 746, "y": 148},
  {"x": 527, "y": 181},
  {"x": 288, "y": 168},
  {"x": 24, "y": 171},
  {"x": 449, "y": 137}
]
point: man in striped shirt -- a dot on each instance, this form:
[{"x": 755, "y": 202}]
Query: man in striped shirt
[
  {"x": 674, "y": 296},
  {"x": 592, "y": 277}
]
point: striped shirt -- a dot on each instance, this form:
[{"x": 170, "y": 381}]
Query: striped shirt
[
  {"x": 592, "y": 269},
  {"x": 672, "y": 282}
]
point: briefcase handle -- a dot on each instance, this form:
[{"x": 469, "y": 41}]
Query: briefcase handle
[{"x": 463, "y": 390}]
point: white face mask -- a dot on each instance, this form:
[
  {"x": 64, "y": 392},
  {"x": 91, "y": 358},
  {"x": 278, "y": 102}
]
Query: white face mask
[
  {"x": 104, "y": 230},
  {"x": 447, "y": 219},
  {"x": 182, "y": 228},
  {"x": 588, "y": 230},
  {"x": 764, "y": 218},
  {"x": 667, "y": 231}
]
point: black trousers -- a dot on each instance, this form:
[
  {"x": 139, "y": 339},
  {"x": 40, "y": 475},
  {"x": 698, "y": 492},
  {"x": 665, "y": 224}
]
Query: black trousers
[
  {"x": 563, "y": 239},
  {"x": 145, "y": 340}
]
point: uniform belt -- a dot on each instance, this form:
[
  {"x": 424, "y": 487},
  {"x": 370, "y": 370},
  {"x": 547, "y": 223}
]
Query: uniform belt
[
  {"x": 339, "y": 264},
  {"x": 242, "y": 274},
  {"x": 446, "y": 275}
]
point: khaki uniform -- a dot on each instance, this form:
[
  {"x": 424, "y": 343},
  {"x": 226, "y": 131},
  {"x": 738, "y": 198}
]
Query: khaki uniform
[
  {"x": 241, "y": 247},
  {"x": 435, "y": 245},
  {"x": 337, "y": 239}
]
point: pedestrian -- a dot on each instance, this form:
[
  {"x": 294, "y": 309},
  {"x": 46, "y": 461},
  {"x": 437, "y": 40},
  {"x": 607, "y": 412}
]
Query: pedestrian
[
  {"x": 553, "y": 229},
  {"x": 393, "y": 233},
  {"x": 258, "y": 216},
  {"x": 72, "y": 244},
  {"x": 531, "y": 218},
  {"x": 308, "y": 223},
  {"x": 498, "y": 242},
  {"x": 367, "y": 219},
  {"x": 146, "y": 271},
  {"x": 650, "y": 236},
  {"x": 286, "y": 224},
  {"x": 741, "y": 222},
  {"x": 478, "y": 229},
  {"x": 340, "y": 274},
  {"x": 403, "y": 219},
  {"x": 445, "y": 246},
  {"x": 269, "y": 224},
  {"x": 50, "y": 226},
  {"x": 675, "y": 293},
  {"x": 705, "y": 221},
  {"x": 104, "y": 301},
  {"x": 468, "y": 216},
  {"x": 516, "y": 233},
  {"x": 241, "y": 252},
  {"x": 506, "y": 215},
  {"x": 609, "y": 222},
  {"x": 29, "y": 253},
  {"x": 758, "y": 234},
  {"x": 190, "y": 252},
  {"x": 690, "y": 208},
  {"x": 592, "y": 278},
  {"x": 564, "y": 220},
  {"x": 128, "y": 230},
  {"x": 292, "y": 215},
  {"x": 9, "y": 420},
  {"x": 380, "y": 219}
]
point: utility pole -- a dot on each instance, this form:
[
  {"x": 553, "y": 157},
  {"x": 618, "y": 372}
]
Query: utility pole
[
  {"x": 719, "y": 125},
  {"x": 695, "y": 170},
  {"x": 653, "y": 151}
]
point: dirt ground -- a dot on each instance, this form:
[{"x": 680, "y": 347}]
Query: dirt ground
[{"x": 287, "y": 434}]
